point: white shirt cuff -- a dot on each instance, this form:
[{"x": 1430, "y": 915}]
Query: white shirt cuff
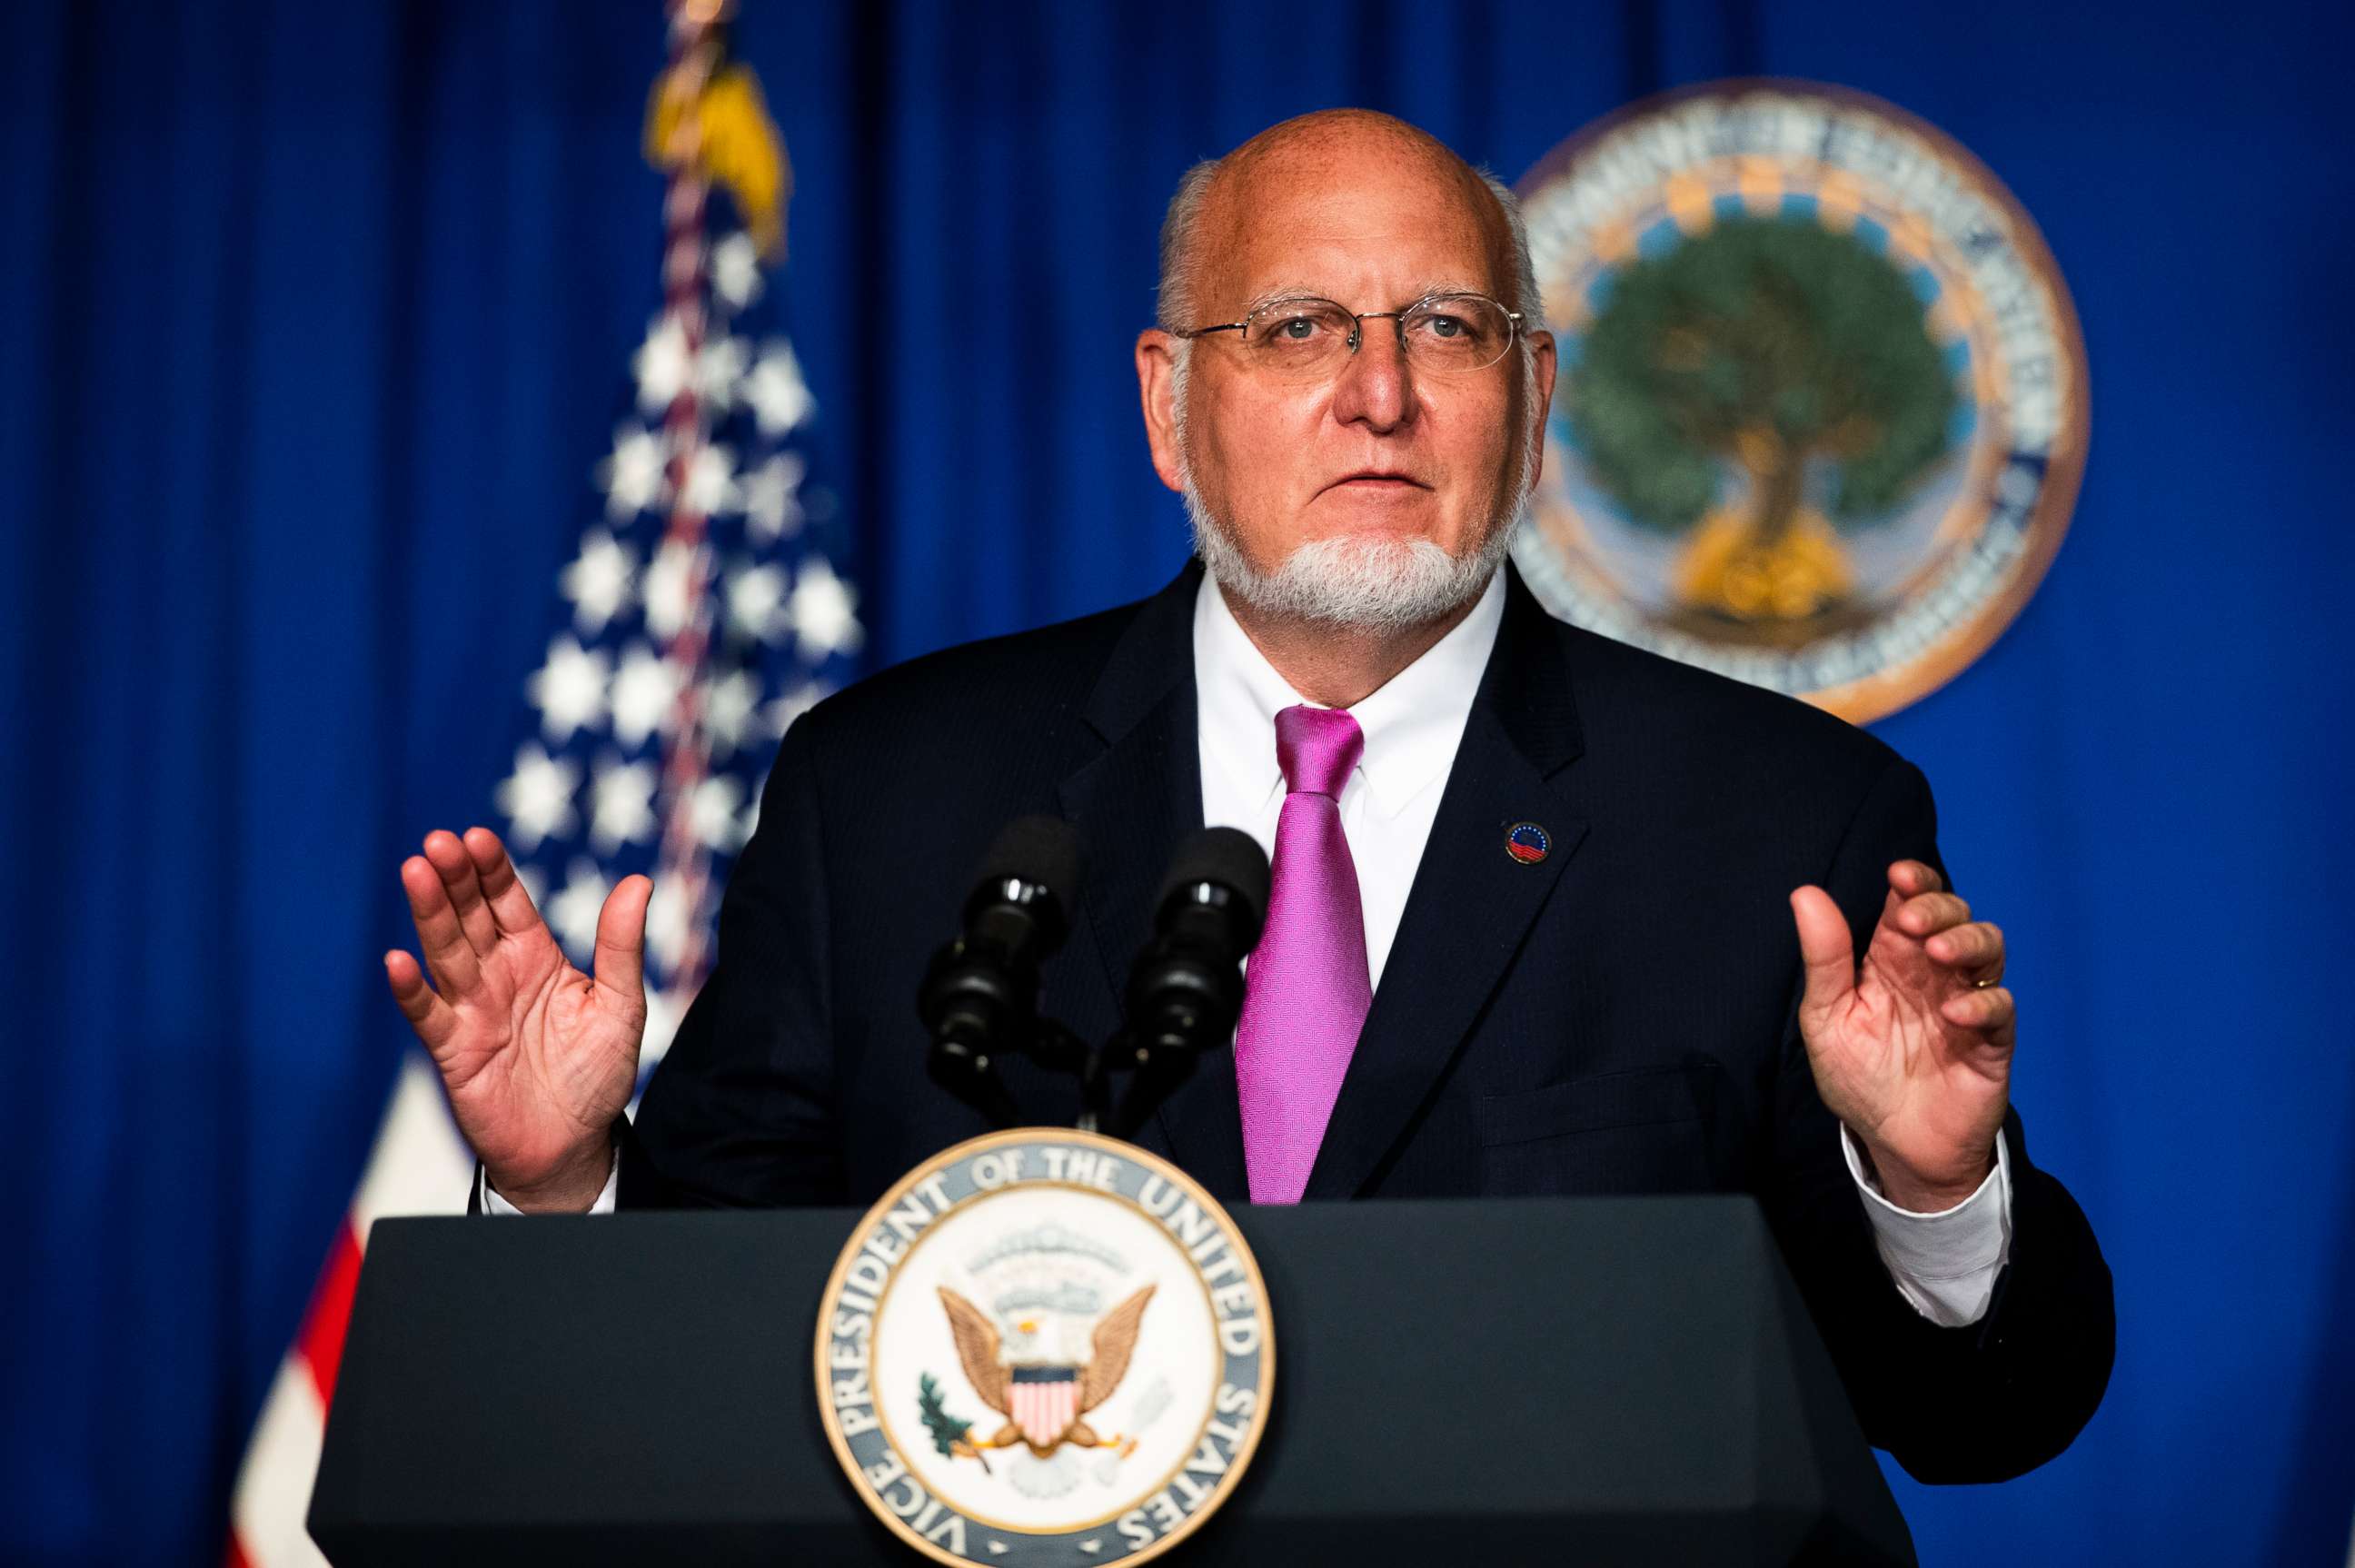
[
  {"x": 492, "y": 1203},
  {"x": 1946, "y": 1264}
]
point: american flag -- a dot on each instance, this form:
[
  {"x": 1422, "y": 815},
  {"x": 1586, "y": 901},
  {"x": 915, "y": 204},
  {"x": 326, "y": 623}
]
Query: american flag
[{"x": 698, "y": 617}]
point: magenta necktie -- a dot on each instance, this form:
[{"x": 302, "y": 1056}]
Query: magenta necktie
[{"x": 1306, "y": 990}]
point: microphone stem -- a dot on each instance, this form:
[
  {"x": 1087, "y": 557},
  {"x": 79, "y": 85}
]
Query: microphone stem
[{"x": 1095, "y": 1091}]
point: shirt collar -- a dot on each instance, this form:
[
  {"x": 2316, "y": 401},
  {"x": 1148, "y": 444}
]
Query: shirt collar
[{"x": 1411, "y": 724}]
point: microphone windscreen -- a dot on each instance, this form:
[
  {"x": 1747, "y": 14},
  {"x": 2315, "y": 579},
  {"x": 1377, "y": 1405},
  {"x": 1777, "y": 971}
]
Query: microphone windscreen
[
  {"x": 1227, "y": 856},
  {"x": 1043, "y": 850}
]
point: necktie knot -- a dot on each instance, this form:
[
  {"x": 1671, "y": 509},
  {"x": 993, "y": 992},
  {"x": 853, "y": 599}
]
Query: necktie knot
[{"x": 1316, "y": 747}]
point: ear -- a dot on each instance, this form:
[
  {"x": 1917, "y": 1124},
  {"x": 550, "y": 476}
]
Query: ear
[
  {"x": 1542, "y": 350},
  {"x": 1157, "y": 367}
]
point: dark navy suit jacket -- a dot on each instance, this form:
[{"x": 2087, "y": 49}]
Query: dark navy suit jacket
[{"x": 1616, "y": 1018}]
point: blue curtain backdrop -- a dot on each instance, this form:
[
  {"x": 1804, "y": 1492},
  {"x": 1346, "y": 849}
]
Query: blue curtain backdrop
[{"x": 313, "y": 319}]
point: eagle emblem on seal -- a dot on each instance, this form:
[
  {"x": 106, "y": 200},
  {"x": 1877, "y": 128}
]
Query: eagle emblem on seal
[{"x": 1044, "y": 1399}]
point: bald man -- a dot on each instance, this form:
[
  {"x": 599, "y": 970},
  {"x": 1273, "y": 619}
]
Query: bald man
[{"x": 1662, "y": 992}]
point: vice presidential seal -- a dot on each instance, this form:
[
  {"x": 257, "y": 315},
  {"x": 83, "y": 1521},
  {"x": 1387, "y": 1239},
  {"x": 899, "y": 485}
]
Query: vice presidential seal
[
  {"x": 1821, "y": 408},
  {"x": 1044, "y": 1347}
]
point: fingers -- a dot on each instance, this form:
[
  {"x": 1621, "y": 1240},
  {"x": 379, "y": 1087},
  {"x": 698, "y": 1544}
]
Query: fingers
[
  {"x": 428, "y": 1014},
  {"x": 1925, "y": 915},
  {"x": 1825, "y": 947},
  {"x": 447, "y": 952},
  {"x": 1991, "y": 1011},
  {"x": 455, "y": 866},
  {"x": 1975, "y": 948},
  {"x": 621, "y": 938},
  {"x": 502, "y": 890},
  {"x": 1912, "y": 877}
]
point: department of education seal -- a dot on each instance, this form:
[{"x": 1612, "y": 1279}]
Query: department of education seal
[
  {"x": 1821, "y": 406},
  {"x": 1044, "y": 1347}
]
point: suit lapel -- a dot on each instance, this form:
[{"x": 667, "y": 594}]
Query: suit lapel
[
  {"x": 1132, "y": 805},
  {"x": 1472, "y": 904}
]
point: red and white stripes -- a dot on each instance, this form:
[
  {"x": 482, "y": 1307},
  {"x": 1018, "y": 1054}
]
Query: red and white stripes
[{"x": 418, "y": 1166}]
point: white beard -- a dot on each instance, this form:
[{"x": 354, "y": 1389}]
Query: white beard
[{"x": 1367, "y": 583}]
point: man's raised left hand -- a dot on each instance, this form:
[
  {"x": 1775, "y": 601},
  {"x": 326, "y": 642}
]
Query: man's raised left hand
[{"x": 1913, "y": 1049}]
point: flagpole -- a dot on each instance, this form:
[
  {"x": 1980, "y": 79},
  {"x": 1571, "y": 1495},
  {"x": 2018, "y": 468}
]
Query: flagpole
[{"x": 683, "y": 864}]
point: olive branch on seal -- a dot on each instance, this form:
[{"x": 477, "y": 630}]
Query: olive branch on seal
[{"x": 950, "y": 1436}]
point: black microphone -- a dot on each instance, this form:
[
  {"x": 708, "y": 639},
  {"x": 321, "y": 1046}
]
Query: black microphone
[
  {"x": 1187, "y": 988},
  {"x": 980, "y": 996}
]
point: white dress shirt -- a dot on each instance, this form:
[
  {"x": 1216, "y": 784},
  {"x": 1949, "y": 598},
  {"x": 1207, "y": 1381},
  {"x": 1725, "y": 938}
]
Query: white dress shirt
[{"x": 1943, "y": 1264}]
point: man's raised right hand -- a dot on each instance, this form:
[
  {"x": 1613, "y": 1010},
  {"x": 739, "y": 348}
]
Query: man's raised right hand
[{"x": 538, "y": 1056}]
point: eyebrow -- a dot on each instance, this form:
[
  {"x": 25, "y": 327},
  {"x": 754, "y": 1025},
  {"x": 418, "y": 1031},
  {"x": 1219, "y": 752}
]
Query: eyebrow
[{"x": 1283, "y": 292}]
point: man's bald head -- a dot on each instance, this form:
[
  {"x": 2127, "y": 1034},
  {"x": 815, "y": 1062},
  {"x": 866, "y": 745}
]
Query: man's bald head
[{"x": 1217, "y": 197}]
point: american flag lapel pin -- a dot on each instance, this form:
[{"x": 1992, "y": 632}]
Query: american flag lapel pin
[{"x": 1527, "y": 842}]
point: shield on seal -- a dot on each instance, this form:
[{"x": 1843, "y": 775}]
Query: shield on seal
[{"x": 1045, "y": 1400}]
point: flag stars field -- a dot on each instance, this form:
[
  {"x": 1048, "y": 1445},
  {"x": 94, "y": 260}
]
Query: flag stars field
[
  {"x": 772, "y": 503},
  {"x": 756, "y": 604},
  {"x": 624, "y": 808},
  {"x": 779, "y": 716},
  {"x": 632, "y": 477},
  {"x": 538, "y": 798},
  {"x": 645, "y": 694},
  {"x": 736, "y": 270},
  {"x": 663, "y": 364},
  {"x": 568, "y": 689},
  {"x": 824, "y": 613},
  {"x": 711, "y": 489},
  {"x": 714, "y": 809},
  {"x": 572, "y": 912},
  {"x": 780, "y": 399},
  {"x": 671, "y": 588},
  {"x": 599, "y": 580},
  {"x": 719, "y": 367},
  {"x": 728, "y": 706}
]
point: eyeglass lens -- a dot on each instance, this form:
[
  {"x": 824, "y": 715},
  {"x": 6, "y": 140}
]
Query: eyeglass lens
[{"x": 1449, "y": 333}]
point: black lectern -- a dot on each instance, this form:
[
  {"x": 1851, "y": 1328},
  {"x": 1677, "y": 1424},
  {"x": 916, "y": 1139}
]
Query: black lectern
[{"x": 1578, "y": 1380}]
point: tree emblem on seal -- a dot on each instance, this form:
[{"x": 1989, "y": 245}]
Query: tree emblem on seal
[{"x": 1789, "y": 359}]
